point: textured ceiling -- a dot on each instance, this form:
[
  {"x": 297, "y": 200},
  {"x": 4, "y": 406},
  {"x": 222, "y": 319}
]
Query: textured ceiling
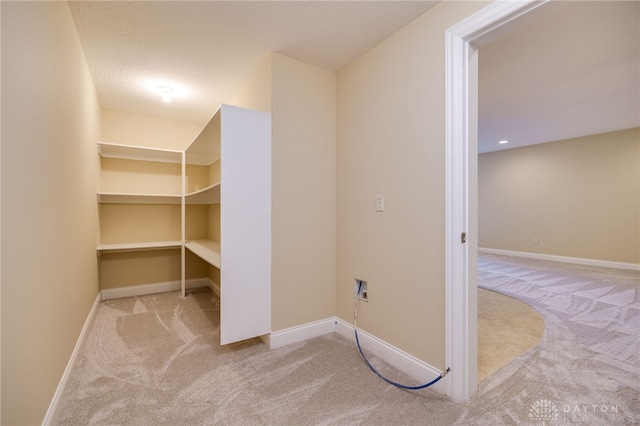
[
  {"x": 205, "y": 49},
  {"x": 566, "y": 70}
]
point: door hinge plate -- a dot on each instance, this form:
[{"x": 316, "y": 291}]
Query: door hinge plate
[{"x": 463, "y": 237}]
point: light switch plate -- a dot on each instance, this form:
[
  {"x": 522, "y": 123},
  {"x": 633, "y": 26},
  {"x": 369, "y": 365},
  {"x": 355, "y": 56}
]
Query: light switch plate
[{"x": 379, "y": 203}]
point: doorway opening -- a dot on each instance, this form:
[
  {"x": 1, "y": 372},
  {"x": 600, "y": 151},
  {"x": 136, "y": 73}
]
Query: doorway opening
[{"x": 461, "y": 150}]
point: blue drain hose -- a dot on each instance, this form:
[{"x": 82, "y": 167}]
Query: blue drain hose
[{"x": 391, "y": 382}]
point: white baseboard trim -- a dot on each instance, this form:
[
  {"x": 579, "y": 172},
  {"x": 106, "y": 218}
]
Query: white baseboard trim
[
  {"x": 215, "y": 287},
  {"x": 300, "y": 333},
  {"x": 142, "y": 290},
  {"x": 565, "y": 259},
  {"x": 408, "y": 364},
  {"x": 50, "y": 416}
]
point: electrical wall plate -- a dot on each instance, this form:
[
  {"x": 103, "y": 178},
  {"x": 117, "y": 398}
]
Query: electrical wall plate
[{"x": 360, "y": 290}]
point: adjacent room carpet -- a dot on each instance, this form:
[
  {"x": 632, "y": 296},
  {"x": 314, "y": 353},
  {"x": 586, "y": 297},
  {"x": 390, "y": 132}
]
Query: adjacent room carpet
[
  {"x": 156, "y": 360},
  {"x": 586, "y": 369},
  {"x": 507, "y": 328}
]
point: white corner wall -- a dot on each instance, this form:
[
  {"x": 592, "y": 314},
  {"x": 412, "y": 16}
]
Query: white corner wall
[{"x": 50, "y": 120}]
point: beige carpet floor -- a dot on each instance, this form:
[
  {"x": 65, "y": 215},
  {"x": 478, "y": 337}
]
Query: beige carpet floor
[
  {"x": 507, "y": 328},
  {"x": 156, "y": 360}
]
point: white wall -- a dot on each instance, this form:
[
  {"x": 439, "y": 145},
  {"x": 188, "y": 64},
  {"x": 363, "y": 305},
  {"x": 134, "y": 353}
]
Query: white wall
[{"x": 50, "y": 120}]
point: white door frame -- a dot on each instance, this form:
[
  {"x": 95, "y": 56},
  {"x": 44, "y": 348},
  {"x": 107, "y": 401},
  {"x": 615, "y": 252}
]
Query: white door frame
[{"x": 461, "y": 144}]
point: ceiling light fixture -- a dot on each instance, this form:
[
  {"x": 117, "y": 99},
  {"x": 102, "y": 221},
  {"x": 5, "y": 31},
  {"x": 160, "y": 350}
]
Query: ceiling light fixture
[
  {"x": 503, "y": 142},
  {"x": 168, "y": 90},
  {"x": 166, "y": 93}
]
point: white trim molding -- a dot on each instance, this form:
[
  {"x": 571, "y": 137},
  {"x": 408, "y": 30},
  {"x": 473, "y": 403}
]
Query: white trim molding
[
  {"x": 460, "y": 144},
  {"x": 408, "y": 364},
  {"x": 215, "y": 287},
  {"x": 278, "y": 339},
  {"x": 50, "y": 416},
  {"x": 563, "y": 259}
]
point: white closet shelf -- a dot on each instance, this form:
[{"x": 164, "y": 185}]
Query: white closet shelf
[
  {"x": 208, "y": 195},
  {"x": 208, "y": 250},
  {"x": 137, "y": 246},
  {"x": 130, "y": 152},
  {"x": 131, "y": 198}
]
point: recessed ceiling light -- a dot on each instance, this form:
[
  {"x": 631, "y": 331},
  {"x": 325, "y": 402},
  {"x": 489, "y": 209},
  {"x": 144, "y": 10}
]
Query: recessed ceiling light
[{"x": 503, "y": 142}]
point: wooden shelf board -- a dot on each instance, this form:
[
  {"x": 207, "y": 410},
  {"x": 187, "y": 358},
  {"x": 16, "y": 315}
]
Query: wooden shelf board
[
  {"x": 208, "y": 195},
  {"x": 139, "y": 246},
  {"x": 207, "y": 250},
  {"x": 130, "y": 152},
  {"x": 122, "y": 198}
]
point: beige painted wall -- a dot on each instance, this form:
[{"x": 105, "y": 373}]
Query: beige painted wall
[
  {"x": 579, "y": 197},
  {"x": 256, "y": 92},
  {"x": 127, "y": 269},
  {"x": 390, "y": 139},
  {"x": 142, "y": 130},
  {"x": 50, "y": 120},
  {"x": 304, "y": 193}
]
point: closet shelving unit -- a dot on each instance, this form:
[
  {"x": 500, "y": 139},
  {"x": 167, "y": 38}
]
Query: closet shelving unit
[
  {"x": 227, "y": 220},
  {"x": 131, "y": 176},
  {"x": 221, "y": 185},
  {"x": 202, "y": 194}
]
